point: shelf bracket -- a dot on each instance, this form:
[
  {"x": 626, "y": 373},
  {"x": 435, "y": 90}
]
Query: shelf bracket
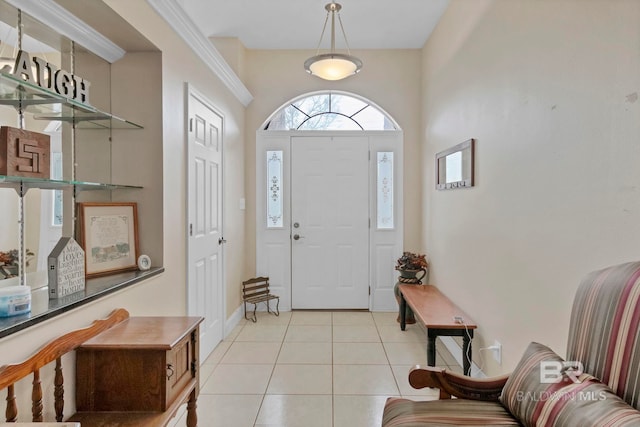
[{"x": 23, "y": 252}]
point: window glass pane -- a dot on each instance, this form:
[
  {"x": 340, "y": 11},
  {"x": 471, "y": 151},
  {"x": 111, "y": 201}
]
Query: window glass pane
[
  {"x": 274, "y": 189},
  {"x": 316, "y": 112},
  {"x": 385, "y": 190},
  {"x": 56, "y": 173},
  {"x": 330, "y": 121},
  {"x": 371, "y": 119},
  {"x": 346, "y": 105},
  {"x": 313, "y": 104},
  {"x": 286, "y": 119}
]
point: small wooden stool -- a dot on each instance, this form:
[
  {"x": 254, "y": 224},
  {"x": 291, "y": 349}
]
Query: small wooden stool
[{"x": 255, "y": 291}]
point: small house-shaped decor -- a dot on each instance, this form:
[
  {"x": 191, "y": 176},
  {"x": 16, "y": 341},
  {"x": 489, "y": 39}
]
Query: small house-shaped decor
[{"x": 66, "y": 268}]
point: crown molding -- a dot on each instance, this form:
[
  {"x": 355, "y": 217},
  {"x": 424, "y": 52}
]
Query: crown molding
[
  {"x": 64, "y": 22},
  {"x": 177, "y": 18}
]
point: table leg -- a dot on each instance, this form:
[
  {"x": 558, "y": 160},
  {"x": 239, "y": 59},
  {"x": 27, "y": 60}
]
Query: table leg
[
  {"x": 403, "y": 312},
  {"x": 192, "y": 415},
  {"x": 466, "y": 353},
  {"x": 431, "y": 348}
]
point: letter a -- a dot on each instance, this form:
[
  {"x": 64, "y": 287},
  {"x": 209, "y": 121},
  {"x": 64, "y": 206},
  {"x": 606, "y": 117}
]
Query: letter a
[{"x": 22, "y": 67}]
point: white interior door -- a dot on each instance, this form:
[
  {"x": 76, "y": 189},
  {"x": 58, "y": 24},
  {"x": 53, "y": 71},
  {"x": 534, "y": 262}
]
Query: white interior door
[
  {"x": 205, "y": 261},
  {"x": 330, "y": 222}
]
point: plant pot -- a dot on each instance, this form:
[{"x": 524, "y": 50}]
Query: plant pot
[
  {"x": 409, "y": 316},
  {"x": 412, "y": 276},
  {"x": 10, "y": 270}
]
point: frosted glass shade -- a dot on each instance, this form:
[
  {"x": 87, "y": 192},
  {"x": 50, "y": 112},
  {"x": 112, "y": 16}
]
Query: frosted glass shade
[{"x": 333, "y": 66}]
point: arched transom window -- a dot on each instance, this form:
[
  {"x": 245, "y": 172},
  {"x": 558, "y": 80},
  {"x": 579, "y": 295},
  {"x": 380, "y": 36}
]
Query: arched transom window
[{"x": 330, "y": 111}]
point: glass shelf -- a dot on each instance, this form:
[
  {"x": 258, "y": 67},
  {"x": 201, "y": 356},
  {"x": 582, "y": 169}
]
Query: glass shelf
[
  {"x": 42, "y": 308},
  {"x": 47, "y": 105},
  {"x": 16, "y": 182}
]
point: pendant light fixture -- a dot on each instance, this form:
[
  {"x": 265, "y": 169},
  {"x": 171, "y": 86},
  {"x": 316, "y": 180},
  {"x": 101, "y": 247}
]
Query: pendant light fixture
[{"x": 332, "y": 65}]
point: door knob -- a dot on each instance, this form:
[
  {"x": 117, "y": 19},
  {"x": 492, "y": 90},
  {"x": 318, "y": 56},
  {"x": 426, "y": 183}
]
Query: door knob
[{"x": 297, "y": 237}]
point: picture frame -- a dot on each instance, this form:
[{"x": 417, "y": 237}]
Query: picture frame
[
  {"x": 455, "y": 167},
  {"x": 108, "y": 233}
]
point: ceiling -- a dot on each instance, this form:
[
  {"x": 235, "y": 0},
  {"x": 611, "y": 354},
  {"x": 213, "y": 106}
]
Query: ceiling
[{"x": 297, "y": 24}]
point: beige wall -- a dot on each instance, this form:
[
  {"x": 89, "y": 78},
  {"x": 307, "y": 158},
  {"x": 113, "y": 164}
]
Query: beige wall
[
  {"x": 389, "y": 78},
  {"x": 181, "y": 65},
  {"x": 166, "y": 293},
  {"x": 549, "y": 89}
]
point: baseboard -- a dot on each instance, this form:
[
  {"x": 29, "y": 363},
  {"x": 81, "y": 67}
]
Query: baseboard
[
  {"x": 233, "y": 321},
  {"x": 456, "y": 352}
]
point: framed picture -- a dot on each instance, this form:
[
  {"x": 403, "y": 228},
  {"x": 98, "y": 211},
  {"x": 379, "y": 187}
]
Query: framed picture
[
  {"x": 108, "y": 233},
  {"x": 455, "y": 166}
]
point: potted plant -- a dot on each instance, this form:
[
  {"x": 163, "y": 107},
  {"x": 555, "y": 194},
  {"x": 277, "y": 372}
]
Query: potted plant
[{"x": 411, "y": 264}]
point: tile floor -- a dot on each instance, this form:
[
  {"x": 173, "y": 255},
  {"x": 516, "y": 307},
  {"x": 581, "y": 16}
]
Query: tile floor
[{"x": 312, "y": 369}]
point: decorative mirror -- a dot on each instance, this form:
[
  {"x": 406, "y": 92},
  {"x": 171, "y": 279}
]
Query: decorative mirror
[{"x": 454, "y": 167}]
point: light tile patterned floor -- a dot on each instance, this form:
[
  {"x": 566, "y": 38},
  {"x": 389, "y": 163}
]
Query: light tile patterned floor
[{"x": 312, "y": 368}]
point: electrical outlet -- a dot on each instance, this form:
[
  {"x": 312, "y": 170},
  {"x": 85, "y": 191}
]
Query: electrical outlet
[{"x": 496, "y": 349}]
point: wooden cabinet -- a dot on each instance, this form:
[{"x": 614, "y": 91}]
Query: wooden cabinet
[{"x": 142, "y": 365}]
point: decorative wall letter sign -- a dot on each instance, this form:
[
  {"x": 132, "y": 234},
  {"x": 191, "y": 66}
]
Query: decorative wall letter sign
[{"x": 48, "y": 76}]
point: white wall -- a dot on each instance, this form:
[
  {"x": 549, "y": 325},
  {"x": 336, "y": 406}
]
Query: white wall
[{"x": 549, "y": 89}]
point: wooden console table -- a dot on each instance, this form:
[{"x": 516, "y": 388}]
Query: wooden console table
[
  {"x": 138, "y": 373},
  {"x": 437, "y": 313},
  {"x": 39, "y": 425}
]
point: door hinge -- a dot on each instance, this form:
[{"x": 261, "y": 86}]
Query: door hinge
[
  {"x": 369, "y": 290},
  {"x": 369, "y": 222},
  {"x": 190, "y": 229},
  {"x": 191, "y": 125}
]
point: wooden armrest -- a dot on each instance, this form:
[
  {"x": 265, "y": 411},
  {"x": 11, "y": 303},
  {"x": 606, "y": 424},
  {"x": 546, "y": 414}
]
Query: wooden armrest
[{"x": 452, "y": 384}]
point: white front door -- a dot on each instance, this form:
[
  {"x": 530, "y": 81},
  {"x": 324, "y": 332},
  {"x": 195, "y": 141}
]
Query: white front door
[
  {"x": 330, "y": 222},
  {"x": 318, "y": 171},
  {"x": 205, "y": 262}
]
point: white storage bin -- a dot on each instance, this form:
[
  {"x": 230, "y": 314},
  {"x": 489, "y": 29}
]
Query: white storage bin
[{"x": 15, "y": 300}]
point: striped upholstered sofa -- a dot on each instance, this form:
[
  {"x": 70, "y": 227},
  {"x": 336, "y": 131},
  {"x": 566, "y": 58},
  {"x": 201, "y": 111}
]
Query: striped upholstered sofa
[{"x": 597, "y": 385}]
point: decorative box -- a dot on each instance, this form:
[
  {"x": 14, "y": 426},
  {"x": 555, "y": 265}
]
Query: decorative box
[{"x": 24, "y": 153}]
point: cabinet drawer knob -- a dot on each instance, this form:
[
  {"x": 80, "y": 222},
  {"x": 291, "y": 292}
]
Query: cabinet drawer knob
[{"x": 169, "y": 370}]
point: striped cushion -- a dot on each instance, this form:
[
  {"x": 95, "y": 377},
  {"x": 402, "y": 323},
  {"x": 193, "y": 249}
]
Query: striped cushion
[
  {"x": 604, "y": 329},
  {"x": 549, "y": 398},
  {"x": 449, "y": 412},
  {"x": 589, "y": 403},
  {"x": 526, "y": 391}
]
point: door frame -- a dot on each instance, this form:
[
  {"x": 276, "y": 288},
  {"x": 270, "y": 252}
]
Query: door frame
[
  {"x": 190, "y": 92},
  {"x": 273, "y": 246}
]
